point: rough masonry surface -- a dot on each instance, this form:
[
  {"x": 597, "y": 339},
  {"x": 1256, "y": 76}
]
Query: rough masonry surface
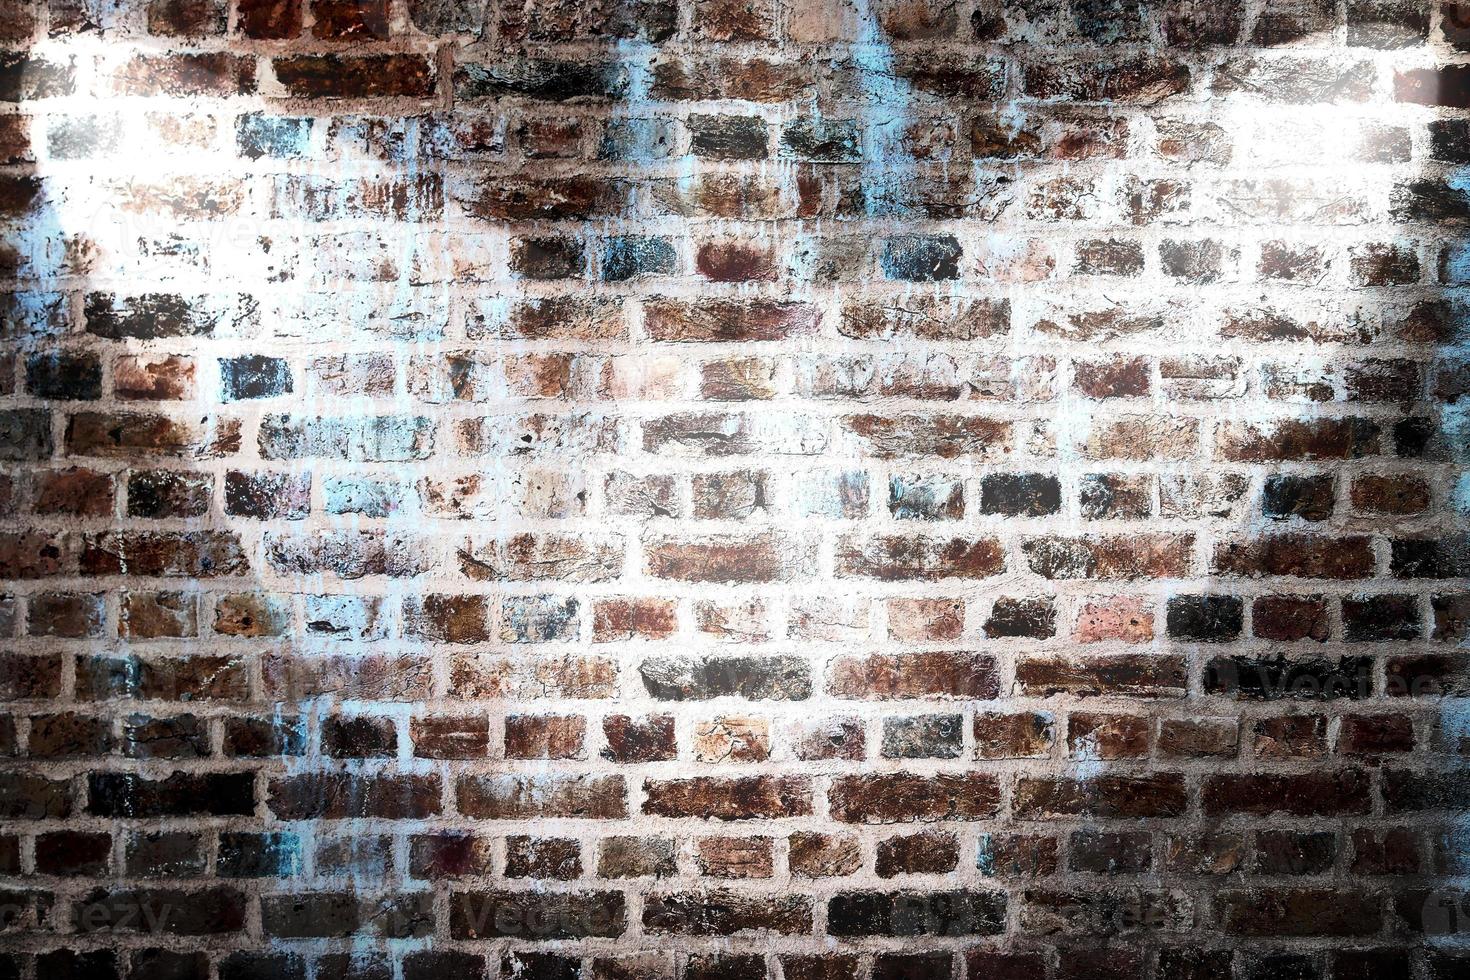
[{"x": 734, "y": 489}]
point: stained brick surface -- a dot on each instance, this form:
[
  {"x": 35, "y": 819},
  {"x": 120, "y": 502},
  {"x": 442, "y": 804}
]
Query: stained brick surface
[{"x": 728, "y": 489}]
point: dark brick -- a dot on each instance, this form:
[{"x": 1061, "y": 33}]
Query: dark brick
[
  {"x": 23, "y": 78},
  {"x": 1371, "y": 964},
  {"x": 165, "y": 964},
  {"x": 1314, "y": 794},
  {"x": 529, "y": 915},
  {"x": 646, "y": 739},
  {"x": 1029, "y": 618},
  {"x": 444, "y": 965},
  {"x": 67, "y": 964},
  {"x": 1311, "y": 498},
  {"x": 922, "y": 737},
  {"x": 64, "y": 376},
  {"x": 258, "y": 855},
  {"x": 254, "y": 376},
  {"x": 940, "y": 913},
  {"x": 266, "y": 496},
  {"x": 1288, "y": 618},
  {"x": 728, "y": 137},
  {"x": 1273, "y": 678},
  {"x": 1445, "y": 86},
  {"x": 1205, "y": 618},
  {"x": 822, "y": 140},
  {"x": 270, "y": 19},
  {"x": 125, "y": 795},
  {"x": 262, "y": 966},
  {"x": 928, "y": 852},
  {"x": 913, "y": 966},
  {"x": 627, "y": 257},
  {"x": 1369, "y": 619},
  {"x": 1020, "y": 495},
  {"x": 921, "y": 258},
  {"x": 71, "y": 853},
  {"x": 368, "y": 76},
  {"x": 25, "y": 434},
  {"x": 201, "y": 912}
]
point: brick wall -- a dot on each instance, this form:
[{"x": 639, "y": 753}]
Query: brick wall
[{"x": 808, "y": 489}]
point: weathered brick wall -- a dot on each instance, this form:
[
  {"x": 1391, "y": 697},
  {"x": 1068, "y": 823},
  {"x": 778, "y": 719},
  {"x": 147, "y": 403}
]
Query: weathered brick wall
[{"x": 733, "y": 488}]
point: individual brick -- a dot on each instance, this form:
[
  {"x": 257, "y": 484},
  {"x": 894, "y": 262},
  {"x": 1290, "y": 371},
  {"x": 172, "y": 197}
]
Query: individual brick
[
  {"x": 728, "y": 137},
  {"x": 1187, "y": 738},
  {"x": 814, "y": 855},
  {"x": 1310, "y": 498},
  {"x": 927, "y": 852},
  {"x": 254, "y": 376},
  {"x": 367, "y": 76},
  {"x": 736, "y": 857},
  {"x": 1031, "y": 618},
  {"x": 727, "y": 913},
  {"x": 890, "y": 676},
  {"x": 922, "y": 737},
  {"x": 144, "y": 377},
  {"x": 552, "y": 858},
  {"x": 736, "y": 798},
  {"x": 1114, "y": 496},
  {"x": 829, "y": 738},
  {"x": 1029, "y": 495},
  {"x": 186, "y": 18},
  {"x": 903, "y": 797},
  {"x": 1205, "y": 618},
  {"x": 732, "y": 739},
  {"x": 544, "y": 736},
  {"x": 75, "y": 490},
  {"x": 635, "y": 857},
  {"x": 1290, "y": 617},
  {"x": 899, "y": 913},
  {"x": 64, "y": 376}
]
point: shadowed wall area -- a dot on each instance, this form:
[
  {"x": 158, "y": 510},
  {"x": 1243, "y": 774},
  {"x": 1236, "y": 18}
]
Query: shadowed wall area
[{"x": 734, "y": 490}]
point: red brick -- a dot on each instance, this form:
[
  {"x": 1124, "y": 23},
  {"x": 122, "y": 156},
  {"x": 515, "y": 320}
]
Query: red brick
[
  {"x": 907, "y": 797},
  {"x": 544, "y": 736},
  {"x": 367, "y": 76},
  {"x": 626, "y": 619},
  {"x": 549, "y": 795},
  {"x": 450, "y": 737},
  {"x": 767, "y": 558},
  {"x": 729, "y": 320},
  {"x": 349, "y": 20},
  {"x": 270, "y": 19},
  {"x": 216, "y": 74},
  {"x": 1313, "y": 794},
  {"x": 1020, "y": 735},
  {"x": 1160, "y": 795},
  {"x": 186, "y": 18},
  {"x": 143, "y": 377},
  {"x": 914, "y": 675},
  {"x": 739, "y": 798},
  {"x": 919, "y": 557}
]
